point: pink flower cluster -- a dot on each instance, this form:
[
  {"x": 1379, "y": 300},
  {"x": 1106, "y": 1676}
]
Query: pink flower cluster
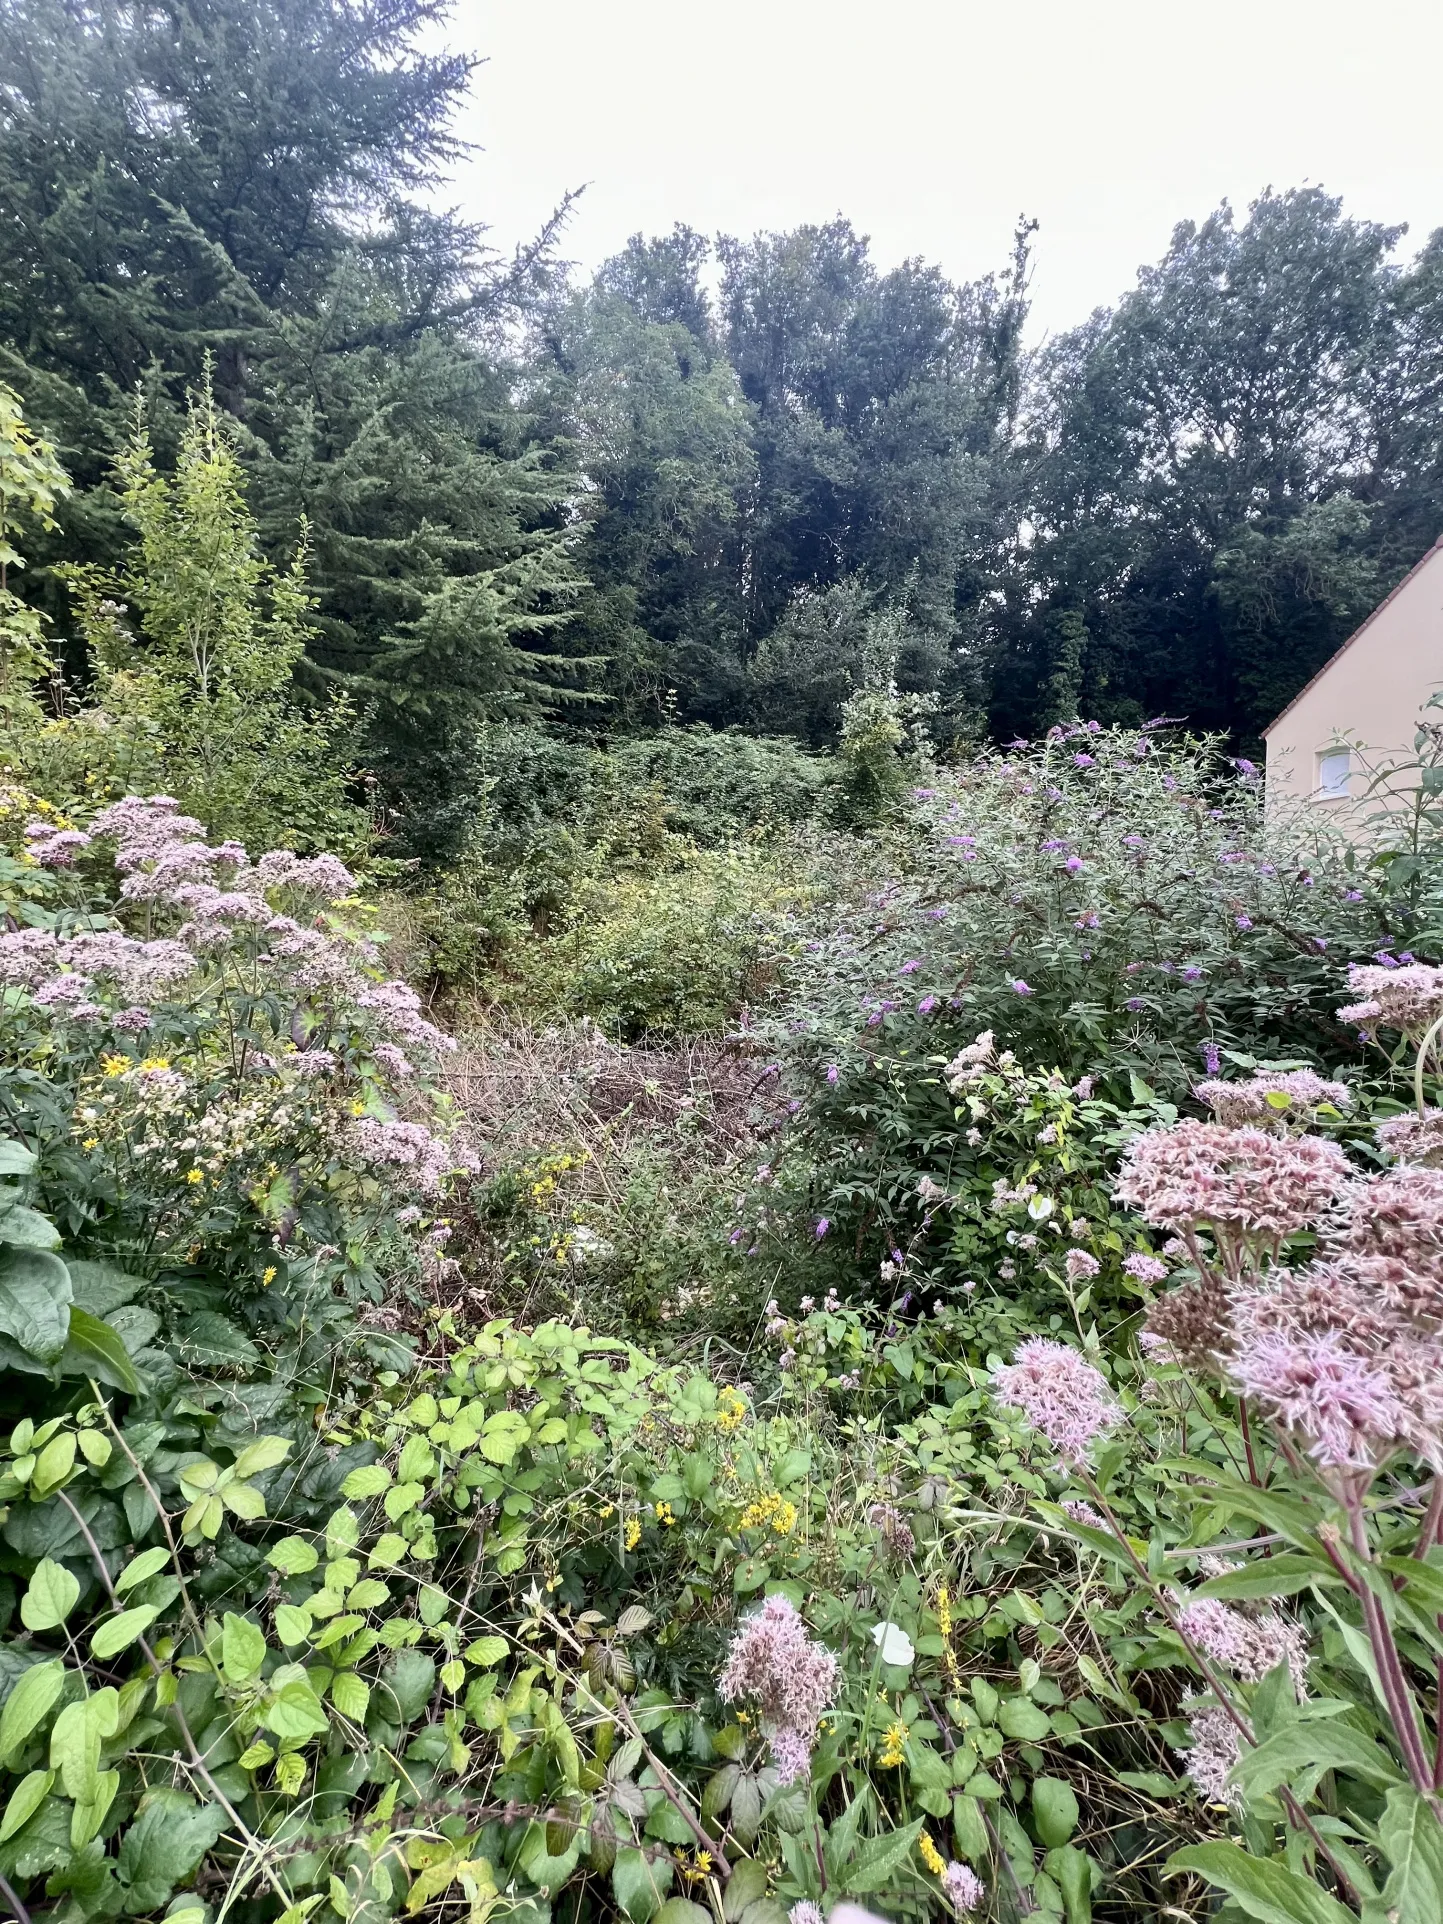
[
  {"x": 1409, "y": 998},
  {"x": 1249, "y": 1646},
  {"x": 1060, "y": 1393},
  {"x": 1236, "y": 1182},
  {"x": 791, "y": 1678},
  {"x": 1344, "y": 1353},
  {"x": 1214, "y": 1747},
  {"x": 1271, "y": 1099},
  {"x": 54, "y": 847},
  {"x": 389, "y": 1144}
]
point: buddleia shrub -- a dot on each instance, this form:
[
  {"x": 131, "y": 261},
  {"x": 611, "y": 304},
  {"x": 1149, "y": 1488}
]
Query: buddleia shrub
[{"x": 1114, "y": 912}]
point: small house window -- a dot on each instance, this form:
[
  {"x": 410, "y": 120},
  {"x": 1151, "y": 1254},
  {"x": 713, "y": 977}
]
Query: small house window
[{"x": 1333, "y": 769}]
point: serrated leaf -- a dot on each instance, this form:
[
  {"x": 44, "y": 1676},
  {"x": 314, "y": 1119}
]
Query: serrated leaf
[
  {"x": 386, "y": 1551},
  {"x": 368, "y": 1480},
  {"x": 632, "y": 1621},
  {"x": 292, "y": 1556},
  {"x": 640, "y": 1884},
  {"x": 243, "y": 1649},
  {"x": 350, "y": 1695},
  {"x": 293, "y": 1625},
  {"x": 1264, "y": 1888}
]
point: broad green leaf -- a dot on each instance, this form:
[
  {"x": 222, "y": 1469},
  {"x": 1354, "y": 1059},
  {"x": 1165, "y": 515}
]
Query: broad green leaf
[
  {"x": 879, "y": 1859},
  {"x": 369, "y": 1594},
  {"x": 101, "y": 1288},
  {"x": 92, "y": 1348},
  {"x": 26, "y": 1228},
  {"x": 213, "y": 1342},
  {"x": 386, "y": 1551},
  {"x": 293, "y": 1626},
  {"x": 1308, "y": 1749},
  {"x": 53, "y": 1593},
  {"x": 112, "y": 1637},
  {"x": 639, "y": 1884},
  {"x": 370, "y": 1479},
  {"x": 295, "y": 1712},
  {"x": 15, "y": 1158},
  {"x": 1020, "y": 1718},
  {"x": 29, "y": 1704},
  {"x": 1054, "y": 1810},
  {"x": 25, "y": 1800},
  {"x": 487, "y": 1651},
  {"x": 292, "y": 1556},
  {"x": 681, "y": 1910},
  {"x": 350, "y": 1695},
  {"x": 1409, "y": 1832},
  {"x": 243, "y": 1648},
  {"x": 162, "y": 1847},
  {"x": 35, "y": 1299},
  {"x": 243, "y": 1500},
  {"x": 141, "y": 1568},
  {"x": 264, "y": 1454},
  {"x": 1262, "y": 1887},
  {"x": 502, "y": 1436},
  {"x": 411, "y": 1677},
  {"x": 746, "y": 1884},
  {"x": 1280, "y": 1576},
  {"x": 1072, "y": 1871},
  {"x": 54, "y": 1463}
]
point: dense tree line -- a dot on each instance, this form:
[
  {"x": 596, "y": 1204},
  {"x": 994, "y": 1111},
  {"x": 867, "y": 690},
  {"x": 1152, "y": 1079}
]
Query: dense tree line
[{"x": 727, "y": 481}]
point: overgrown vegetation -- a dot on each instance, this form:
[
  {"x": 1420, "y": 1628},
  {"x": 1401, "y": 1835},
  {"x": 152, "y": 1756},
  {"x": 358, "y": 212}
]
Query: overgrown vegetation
[{"x": 638, "y": 1278}]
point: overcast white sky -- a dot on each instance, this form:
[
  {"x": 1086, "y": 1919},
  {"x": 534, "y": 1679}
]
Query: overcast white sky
[{"x": 933, "y": 123}]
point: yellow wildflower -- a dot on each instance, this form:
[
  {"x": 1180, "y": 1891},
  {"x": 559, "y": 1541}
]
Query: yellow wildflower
[
  {"x": 606, "y": 1510},
  {"x": 114, "y": 1065},
  {"x": 698, "y": 1868},
  {"x": 268, "y": 1276},
  {"x": 663, "y": 1515},
  {"x": 195, "y": 1175},
  {"x": 772, "y": 1512},
  {"x": 633, "y": 1533},
  {"x": 731, "y": 1409},
  {"x": 156, "y": 1062},
  {"x": 91, "y": 1142},
  {"x": 894, "y": 1738},
  {"x": 930, "y": 1855}
]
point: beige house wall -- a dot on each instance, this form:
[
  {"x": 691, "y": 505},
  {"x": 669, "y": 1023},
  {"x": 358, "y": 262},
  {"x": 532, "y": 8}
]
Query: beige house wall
[{"x": 1368, "y": 697}]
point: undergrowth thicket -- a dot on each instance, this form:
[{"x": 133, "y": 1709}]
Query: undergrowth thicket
[{"x": 898, "y": 1355}]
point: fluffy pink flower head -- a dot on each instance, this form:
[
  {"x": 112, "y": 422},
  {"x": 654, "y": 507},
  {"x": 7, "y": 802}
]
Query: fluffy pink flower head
[
  {"x": 1247, "y": 1180},
  {"x": 963, "y": 1888},
  {"x": 1248, "y": 1646},
  {"x": 1215, "y": 1744},
  {"x": 1060, "y": 1393},
  {"x": 1080, "y": 1266},
  {"x": 1413, "y": 1139},
  {"x": 1270, "y": 1099},
  {"x": 791, "y": 1678},
  {"x": 1144, "y": 1268},
  {"x": 1341, "y": 1405},
  {"x": 1408, "y": 998}
]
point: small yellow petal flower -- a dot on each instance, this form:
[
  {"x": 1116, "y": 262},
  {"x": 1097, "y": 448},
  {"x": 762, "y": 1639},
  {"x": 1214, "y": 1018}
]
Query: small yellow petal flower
[{"x": 930, "y": 1855}]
